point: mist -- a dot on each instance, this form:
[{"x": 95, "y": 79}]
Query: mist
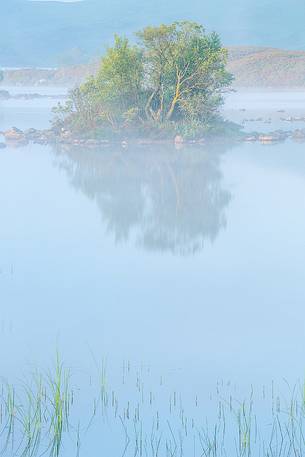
[
  {"x": 152, "y": 182},
  {"x": 45, "y": 33}
]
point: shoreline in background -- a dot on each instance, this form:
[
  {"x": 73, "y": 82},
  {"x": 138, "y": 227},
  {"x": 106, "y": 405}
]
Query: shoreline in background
[{"x": 254, "y": 68}]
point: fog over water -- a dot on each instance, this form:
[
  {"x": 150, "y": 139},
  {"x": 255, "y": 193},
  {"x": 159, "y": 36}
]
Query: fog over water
[
  {"x": 152, "y": 295},
  {"x": 181, "y": 268},
  {"x": 184, "y": 244}
]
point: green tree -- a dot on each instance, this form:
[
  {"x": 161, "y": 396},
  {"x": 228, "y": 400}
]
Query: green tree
[
  {"x": 172, "y": 79},
  {"x": 186, "y": 71},
  {"x": 111, "y": 99},
  {"x": 120, "y": 77}
]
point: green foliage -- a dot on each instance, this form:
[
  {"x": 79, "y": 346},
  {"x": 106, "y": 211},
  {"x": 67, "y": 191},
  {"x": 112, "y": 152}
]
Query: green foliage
[
  {"x": 172, "y": 80},
  {"x": 186, "y": 71},
  {"x": 121, "y": 75}
]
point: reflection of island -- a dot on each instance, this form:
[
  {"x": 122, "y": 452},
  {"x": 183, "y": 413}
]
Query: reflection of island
[{"x": 165, "y": 199}]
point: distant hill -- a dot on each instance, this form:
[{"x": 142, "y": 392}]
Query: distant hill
[
  {"x": 251, "y": 66},
  {"x": 45, "y": 33},
  {"x": 267, "y": 67}
]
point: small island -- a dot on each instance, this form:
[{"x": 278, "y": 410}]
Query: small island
[
  {"x": 170, "y": 84},
  {"x": 167, "y": 86}
]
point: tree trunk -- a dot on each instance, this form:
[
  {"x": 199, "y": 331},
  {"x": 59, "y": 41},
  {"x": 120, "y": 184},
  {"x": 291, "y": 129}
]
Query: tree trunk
[{"x": 175, "y": 99}]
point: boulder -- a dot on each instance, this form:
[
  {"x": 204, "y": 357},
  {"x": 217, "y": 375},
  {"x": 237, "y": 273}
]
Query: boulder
[
  {"x": 51, "y": 136},
  {"x": 298, "y": 135},
  {"x": 14, "y": 134},
  {"x": 4, "y": 95},
  {"x": 92, "y": 142},
  {"x": 178, "y": 139},
  {"x": 250, "y": 138},
  {"x": 66, "y": 133},
  {"x": 31, "y": 134},
  {"x": 270, "y": 138}
]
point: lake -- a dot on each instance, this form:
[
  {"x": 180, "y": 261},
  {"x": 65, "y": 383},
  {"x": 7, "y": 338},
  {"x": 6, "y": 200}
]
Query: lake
[{"x": 169, "y": 281}]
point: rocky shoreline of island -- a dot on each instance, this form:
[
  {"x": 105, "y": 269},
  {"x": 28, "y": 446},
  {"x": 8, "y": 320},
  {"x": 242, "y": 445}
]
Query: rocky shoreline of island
[{"x": 16, "y": 137}]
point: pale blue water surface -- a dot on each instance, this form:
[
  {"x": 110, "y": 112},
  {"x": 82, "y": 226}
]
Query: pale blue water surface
[{"x": 186, "y": 264}]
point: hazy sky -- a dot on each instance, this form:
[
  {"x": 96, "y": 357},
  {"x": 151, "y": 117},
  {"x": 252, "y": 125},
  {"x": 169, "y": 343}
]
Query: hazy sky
[
  {"x": 52, "y": 34},
  {"x": 63, "y": 1}
]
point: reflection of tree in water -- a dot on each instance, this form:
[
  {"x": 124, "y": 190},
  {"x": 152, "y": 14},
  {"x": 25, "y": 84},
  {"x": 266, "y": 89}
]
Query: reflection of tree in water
[{"x": 168, "y": 199}]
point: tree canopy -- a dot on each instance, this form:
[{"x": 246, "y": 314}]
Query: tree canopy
[{"x": 172, "y": 79}]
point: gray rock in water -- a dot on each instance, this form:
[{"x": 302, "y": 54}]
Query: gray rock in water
[
  {"x": 250, "y": 138},
  {"x": 92, "y": 142},
  {"x": 4, "y": 95},
  {"x": 298, "y": 135},
  {"x": 271, "y": 137},
  {"x": 14, "y": 134}
]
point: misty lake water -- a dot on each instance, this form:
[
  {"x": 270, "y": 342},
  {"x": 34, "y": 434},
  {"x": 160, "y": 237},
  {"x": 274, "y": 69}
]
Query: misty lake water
[{"x": 180, "y": 269}]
